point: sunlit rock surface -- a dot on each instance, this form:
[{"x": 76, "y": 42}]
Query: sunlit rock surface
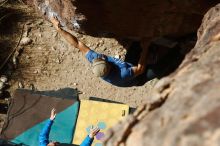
[{"x": 184, "y": 110}]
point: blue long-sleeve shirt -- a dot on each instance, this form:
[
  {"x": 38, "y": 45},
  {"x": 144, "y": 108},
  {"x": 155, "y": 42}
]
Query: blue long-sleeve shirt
[
  {"x": 87, "y": 141},
  {"x": 44, "y": 136}
]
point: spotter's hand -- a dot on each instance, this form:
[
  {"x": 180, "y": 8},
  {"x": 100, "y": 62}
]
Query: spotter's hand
[
  {"x": 93, "y": 131},
  {"x": 53, "y": 114}
]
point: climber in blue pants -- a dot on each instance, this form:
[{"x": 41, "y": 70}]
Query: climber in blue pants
[
  {"x": 44, "y": 135},
  {"x": 110, "y": 69}
]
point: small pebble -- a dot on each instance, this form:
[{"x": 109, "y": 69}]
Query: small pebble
[
  {"x": 2, "y": 85},
  {"x": 3, "y": 79},
  {"x": 101, "y": 42},
  {"x": 14, "y": 60},
  {"x": 25, "y": 41},
  {"x": 27, "y": 57},
  {"x": 20, "y": 85},
  {"x": 25, "y": 34},
  {"x": 58, "y": 60},
  {"x": 36, "y": 71},
  {"x": 32, "y": 87},
  {"x": 53, "y": 48},
  {"x": 124, "y": 51}
]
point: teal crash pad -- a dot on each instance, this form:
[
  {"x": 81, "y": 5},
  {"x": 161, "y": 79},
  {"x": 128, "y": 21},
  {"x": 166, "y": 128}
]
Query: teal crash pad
[{"x": 30, "y": 113}]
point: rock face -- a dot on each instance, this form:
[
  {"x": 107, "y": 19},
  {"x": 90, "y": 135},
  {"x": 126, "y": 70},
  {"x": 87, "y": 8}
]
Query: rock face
[
  {"x": 127, "y": 18},
  {"x": 184, "y": 109}
]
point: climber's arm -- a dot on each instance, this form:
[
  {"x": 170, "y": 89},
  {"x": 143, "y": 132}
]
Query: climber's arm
[
  {"x": 140, "y": 68},
  {"x": 69, "y": 37}
]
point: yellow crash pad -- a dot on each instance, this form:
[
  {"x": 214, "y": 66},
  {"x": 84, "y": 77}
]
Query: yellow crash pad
[{"x": 96, "y": 113}]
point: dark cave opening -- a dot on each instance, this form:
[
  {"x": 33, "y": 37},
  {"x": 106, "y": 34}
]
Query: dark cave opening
[{"x": 166, "y": 54}]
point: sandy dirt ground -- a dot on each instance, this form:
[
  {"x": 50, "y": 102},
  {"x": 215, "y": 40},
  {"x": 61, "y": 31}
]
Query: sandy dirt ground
[{"x": 50, "y": 63}]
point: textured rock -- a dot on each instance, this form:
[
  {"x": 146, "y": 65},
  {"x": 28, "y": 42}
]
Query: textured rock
[
  {"x": 25, "y": 41},
  {"x": 186, "y": 103},
  {"x": 127, "y": 18}
]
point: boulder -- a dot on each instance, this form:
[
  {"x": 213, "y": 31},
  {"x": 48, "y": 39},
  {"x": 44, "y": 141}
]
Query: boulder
[{"x": 184, "y": 108}]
